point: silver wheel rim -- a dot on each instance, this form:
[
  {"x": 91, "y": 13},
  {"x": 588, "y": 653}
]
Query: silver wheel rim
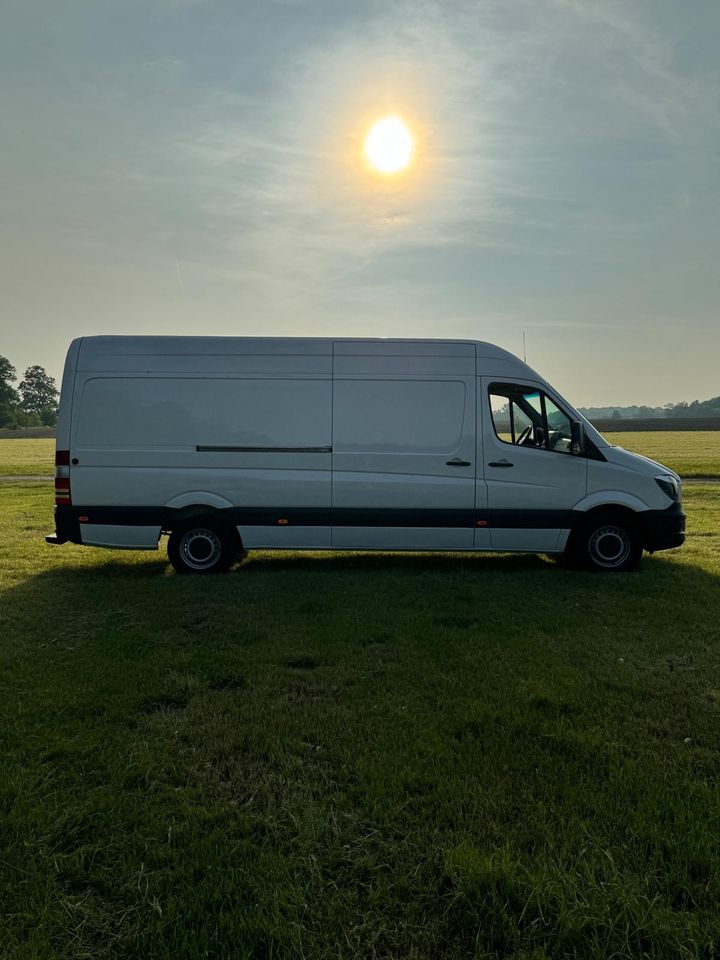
[
  {"x": 609, "y": 547},
  {"x": 200, "y": 549}
]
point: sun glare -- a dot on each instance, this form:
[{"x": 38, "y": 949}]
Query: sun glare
[{"x": 389, "y": 145}]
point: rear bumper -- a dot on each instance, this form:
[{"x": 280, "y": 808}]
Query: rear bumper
[
  {"x": 67, "y": 528},
  {"x": 136, "y": 528},
  {"x": 663, "y": 529}
]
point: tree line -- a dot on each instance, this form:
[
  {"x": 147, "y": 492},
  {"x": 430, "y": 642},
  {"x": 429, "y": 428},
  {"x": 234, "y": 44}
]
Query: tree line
[
  {"x": 676, "y": 411},
  {"x": 33, "y": 403}
]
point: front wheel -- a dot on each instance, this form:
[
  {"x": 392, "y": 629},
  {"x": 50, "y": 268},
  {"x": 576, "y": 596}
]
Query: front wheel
[
  {"x": 202, "y": 545},
  {"x": 608, "y": 543}
]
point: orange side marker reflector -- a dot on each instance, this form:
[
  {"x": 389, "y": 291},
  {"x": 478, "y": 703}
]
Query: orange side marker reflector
[
  {"x": 282, "y": 522},
  {"x": 481, "y": 523},
  {"x": 83, "y": 519}
]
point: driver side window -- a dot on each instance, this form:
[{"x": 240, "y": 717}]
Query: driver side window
[
  {"x": 527, "y": 417},
  {"x": 509, "y": 418}
]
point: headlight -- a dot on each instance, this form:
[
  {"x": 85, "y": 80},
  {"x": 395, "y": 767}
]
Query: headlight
[{"x": 669, "y": 486}]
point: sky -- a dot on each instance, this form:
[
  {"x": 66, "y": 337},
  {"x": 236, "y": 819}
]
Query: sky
[{"x": 193, "y": 167}]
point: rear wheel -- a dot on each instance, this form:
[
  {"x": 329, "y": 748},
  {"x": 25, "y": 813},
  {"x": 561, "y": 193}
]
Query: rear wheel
[
  {"x": 203, "y": 545},
  {"x": 606, "y": 543}
]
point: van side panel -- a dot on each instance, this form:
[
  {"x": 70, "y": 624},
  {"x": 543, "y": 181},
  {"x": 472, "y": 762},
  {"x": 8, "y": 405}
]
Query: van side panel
[
  {"x": 252, "y": 431},
  {"x": 482, "y": 540},
  {"x": 64, "y": 421},
  {"x": 403, "y": 447}
]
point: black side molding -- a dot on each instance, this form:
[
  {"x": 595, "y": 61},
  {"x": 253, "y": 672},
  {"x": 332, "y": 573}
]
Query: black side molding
[
  {"x": 201, "y": 448},
  {"x": 67, "y": 522}
]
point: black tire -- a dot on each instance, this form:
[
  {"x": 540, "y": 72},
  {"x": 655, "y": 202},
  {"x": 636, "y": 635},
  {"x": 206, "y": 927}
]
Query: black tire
[
  {"x": 606, "y": 543},
  {"x": 203, "y": 545}
]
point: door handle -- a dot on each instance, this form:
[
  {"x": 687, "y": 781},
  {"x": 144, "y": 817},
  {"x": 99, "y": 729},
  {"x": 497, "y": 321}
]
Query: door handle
[
  {"x": 457, "y": 462},
  {"x": 500, "y": 463}
]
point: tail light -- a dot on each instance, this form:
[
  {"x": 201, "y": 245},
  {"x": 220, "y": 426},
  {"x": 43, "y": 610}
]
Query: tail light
[{"x": 62, "y": 477}]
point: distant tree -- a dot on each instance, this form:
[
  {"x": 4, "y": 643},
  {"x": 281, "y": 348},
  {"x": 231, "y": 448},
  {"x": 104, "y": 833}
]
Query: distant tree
[
  {"x": 9, "y": 399},
  {"x": 38, "y": 394},
  {"x": 682, "y": 410},
  {"x": 7, "y": 370},
  {"x": 37, "y": 390},
  {"x": 697, "y": 408},
  {"x": 8, "y": 393}
]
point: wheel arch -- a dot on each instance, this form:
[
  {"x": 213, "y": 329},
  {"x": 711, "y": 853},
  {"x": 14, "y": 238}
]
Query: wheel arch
[
  {"x": 607, "y": 508},
  {"x": 608, "y": 500},
  {"x": 197, "y": 501},
  {"x": 178, "y": 515}
]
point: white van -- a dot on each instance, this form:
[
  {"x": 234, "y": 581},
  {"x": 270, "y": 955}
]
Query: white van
[{"x": 235, "y": 444}]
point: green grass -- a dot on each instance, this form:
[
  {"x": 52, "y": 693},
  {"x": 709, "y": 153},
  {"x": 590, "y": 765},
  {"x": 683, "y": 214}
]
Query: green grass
[
  {"x": 691, "y": 453},
  {"x": 27, "y": 458},
  {"x": 366, "y": 756}
]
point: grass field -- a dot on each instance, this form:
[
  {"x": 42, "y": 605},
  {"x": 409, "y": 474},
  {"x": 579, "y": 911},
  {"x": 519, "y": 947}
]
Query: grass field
[
  {"x": 691, "y": 453},
  {"x": 28, "y": 458},
  {"x": 364, "y": 756}
]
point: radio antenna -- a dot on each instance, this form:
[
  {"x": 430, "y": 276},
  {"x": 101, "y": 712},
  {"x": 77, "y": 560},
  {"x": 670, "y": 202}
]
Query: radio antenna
[{"x": 524, "y": 352}]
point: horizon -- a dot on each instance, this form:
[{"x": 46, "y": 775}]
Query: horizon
[{"x": 190, "y": 166}]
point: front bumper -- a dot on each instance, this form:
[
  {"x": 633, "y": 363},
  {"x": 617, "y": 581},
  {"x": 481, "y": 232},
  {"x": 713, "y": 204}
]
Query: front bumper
[{"x": 663, "y": 529}]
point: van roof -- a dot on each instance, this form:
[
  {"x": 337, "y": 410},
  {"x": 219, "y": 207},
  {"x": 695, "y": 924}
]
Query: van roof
[{"x": 174, "y": 345}]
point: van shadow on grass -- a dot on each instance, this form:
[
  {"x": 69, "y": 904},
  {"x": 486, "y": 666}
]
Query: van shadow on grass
[
  {"x": 325, "y": 607},
  {"x": 269, "y": 563},
  {"x": 136, "y": 622},
  {"x": 284, "y": 588}
]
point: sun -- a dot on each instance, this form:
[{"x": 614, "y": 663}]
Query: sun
[{"x": 389, "y": 145}]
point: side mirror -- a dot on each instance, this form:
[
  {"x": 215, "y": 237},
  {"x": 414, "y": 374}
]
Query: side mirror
[{"x": 577, "y": 434}]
